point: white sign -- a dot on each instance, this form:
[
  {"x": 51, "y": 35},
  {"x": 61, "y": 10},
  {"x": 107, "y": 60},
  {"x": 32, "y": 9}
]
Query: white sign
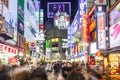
[
  {"x": 48, "y": 53},
  {"x": 32, "y": 45},
  {"x": 114, "y": 34},
  {"x": 101, "y": 30},
  {"x": 93, "y": 48}
]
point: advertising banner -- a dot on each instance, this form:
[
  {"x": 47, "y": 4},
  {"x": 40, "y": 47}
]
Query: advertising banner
[
  {"x": 61, "y": 20},
  {"x": 82, "y": 10},
  {"x": 114, "y": 15},
  {"x": 20, "y": 26},
  {"x": 75, "y": 24},
  {"x": 101, "y": 31},
  {"x": 8, "y": 49},
  {"x": 10, "y": 20},
  {"x": 114, "y": 34},
  {"x": 20, "y": 16}
]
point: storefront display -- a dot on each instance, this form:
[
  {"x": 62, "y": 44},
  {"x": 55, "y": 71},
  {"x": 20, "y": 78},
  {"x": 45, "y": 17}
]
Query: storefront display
[
  {"x": 114, "y": 63},
  {"x": 7, "y": 52}
]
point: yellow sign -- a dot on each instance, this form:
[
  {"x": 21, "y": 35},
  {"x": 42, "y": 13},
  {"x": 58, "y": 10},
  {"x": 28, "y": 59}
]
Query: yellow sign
[
  {"x": 92, "y": 26},
  {"x": 55, "y": 40}
]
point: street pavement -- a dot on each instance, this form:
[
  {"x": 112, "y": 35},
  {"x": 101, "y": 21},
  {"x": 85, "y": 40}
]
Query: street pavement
[
  {"x": 112, "y": 77},
  {"x": 51, "y": 76}
]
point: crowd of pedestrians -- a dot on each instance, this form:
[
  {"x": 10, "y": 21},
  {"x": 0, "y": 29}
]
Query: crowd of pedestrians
[{"x": 51, "y": 71}]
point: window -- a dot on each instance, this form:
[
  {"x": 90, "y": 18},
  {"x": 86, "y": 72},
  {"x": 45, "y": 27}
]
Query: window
[{"x": 5, "y": 2}]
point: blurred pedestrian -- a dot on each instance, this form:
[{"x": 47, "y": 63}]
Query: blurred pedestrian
[
  {"x": 83, "y": 65},
  {"x": 39, "y": 74},
  {"x": 4, "y": 73},
  {"x": 75, "y": 75},
  {"x": 24, "y": 75}
]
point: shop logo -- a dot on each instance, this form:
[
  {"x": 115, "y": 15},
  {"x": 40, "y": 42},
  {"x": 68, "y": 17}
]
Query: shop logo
[{"x": 116, "y": 31}]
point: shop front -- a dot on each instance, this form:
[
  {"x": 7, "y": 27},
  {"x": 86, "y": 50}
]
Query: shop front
[
  {"x": 8, "y": 54},
  {"x": 21, "y": 53},
  {"x": 114, "y": 63},
  {"x": 99, "y": 58},
  {"x": 113, "y": 58}
]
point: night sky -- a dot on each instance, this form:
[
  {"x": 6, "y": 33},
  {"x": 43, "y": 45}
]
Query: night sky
[{"x": 74, "y": 7}]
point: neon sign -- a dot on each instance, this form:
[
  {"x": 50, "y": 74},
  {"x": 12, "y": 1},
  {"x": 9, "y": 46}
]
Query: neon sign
[
  {"x": 54, "y": 7},
  {"x": 82, "y": 9}
]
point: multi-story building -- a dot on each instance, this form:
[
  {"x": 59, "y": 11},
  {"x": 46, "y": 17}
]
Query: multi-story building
[{"x": 8, "y": 31}]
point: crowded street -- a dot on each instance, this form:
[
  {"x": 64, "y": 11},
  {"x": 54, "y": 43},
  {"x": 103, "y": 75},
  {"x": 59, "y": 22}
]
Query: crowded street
[
  {"x": 59, "y": 39},
  {"x": 55, "y": 71}
]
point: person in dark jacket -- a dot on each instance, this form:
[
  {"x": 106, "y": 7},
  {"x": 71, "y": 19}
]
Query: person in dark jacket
[{"x": 57, "y": 68}]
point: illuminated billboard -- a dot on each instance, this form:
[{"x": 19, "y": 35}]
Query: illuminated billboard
[
  {"x": 116, "y": 12},
  {"x": 54, "y": 7},
  {"x": 61, "y": 20}
]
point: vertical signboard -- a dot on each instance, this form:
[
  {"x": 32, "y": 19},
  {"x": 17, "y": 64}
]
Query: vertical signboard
[
  {"x": 101, "y": 32},
  {"x": 41, "y": 15},
  {"x": 84, "y": 30},
  {"x": 48, "y": 51},
  {"x": 82, "y": 10},
  {"x": 20, "y": 17},
  {"x": 69, "y": 36}
]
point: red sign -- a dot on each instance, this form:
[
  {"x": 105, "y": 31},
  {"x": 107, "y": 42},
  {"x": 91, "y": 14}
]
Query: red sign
[
  {"x": 32, "y": 44},
  {"x": 76, "y": 48},
  {"x": 13, "y": 60},
  {"x": 7, "y": 49},
  {"x": 41, "y": 27},
  {"x": 92, "y": 60},
  {"x": 84, "y": 30}
]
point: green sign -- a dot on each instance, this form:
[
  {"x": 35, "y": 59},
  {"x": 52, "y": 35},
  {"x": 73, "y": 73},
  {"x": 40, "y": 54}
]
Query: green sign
[
  {"x": 20, "y": 17},
  {"x": 48, "y": 44}
]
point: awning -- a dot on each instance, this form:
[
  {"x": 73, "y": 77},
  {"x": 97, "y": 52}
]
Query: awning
[{"x": 111, "y": 51}]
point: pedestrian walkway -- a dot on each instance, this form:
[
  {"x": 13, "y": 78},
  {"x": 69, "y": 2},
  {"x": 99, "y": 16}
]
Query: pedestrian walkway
[
  {"x": 115, "y": 77},
  {"x": 51, "y": 76}
]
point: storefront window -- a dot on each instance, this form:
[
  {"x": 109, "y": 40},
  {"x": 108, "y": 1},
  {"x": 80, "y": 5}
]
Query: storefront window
[{"x": 114, "y": 63}]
